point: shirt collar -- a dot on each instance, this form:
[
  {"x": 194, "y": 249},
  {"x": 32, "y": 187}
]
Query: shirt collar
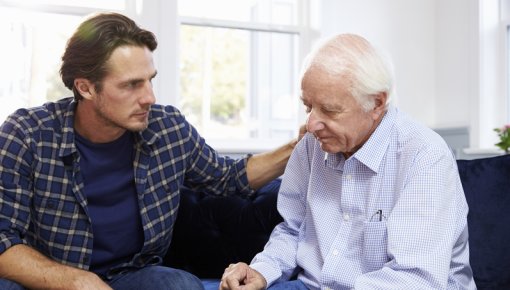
[
  {"x": 373, "y": 151},
  {"x": 335, "y": 160},
  {"x": 67, "y": 146}
]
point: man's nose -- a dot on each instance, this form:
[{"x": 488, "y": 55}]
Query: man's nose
[
  {"x": 148, "y": 95},
  {"x": 313, "y": 123}
]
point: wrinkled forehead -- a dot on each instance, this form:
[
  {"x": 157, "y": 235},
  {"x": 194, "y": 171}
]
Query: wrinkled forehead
[
  {"x": 318, "y": 77},
  {"x": 320, "y": 87}
]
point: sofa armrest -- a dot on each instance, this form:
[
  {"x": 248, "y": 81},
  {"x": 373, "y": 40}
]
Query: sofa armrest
[{"x": 486, "y": 184}]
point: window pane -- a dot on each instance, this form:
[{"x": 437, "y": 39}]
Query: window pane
[
  {"x": 282, "y": 12},
  {"x": 33, "y": 45},
  {"x": 238, "y": 84},
  {"x": 101, "y": 4}
]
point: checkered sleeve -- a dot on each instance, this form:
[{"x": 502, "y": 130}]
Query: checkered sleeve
[
  {"x": 220, "y": 175},
  {"x": 15, "y": 184}
]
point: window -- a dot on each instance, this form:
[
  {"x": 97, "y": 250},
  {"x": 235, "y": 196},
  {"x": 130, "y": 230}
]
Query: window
[
  {"x": 34, "y": 34},
  {"x": 237, "y": 60},
  {"x": 238, "y": 69}
]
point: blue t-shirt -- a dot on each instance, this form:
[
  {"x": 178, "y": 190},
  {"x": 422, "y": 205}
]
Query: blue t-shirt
[{"x": 107, "y": 170}]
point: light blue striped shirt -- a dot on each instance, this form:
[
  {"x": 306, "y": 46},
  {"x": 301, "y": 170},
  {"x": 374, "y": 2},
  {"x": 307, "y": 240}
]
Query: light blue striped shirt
[{"x": 392, "y": 216}]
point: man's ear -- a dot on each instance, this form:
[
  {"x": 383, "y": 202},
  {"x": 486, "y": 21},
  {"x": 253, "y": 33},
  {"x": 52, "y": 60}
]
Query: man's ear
[
  {"x": 85, "y": 87},
  {"x": 379, "y": 104}
]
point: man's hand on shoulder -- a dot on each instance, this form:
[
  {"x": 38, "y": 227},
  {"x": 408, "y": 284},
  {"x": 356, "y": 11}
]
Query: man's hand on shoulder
[{"x": 241, "y": 276}]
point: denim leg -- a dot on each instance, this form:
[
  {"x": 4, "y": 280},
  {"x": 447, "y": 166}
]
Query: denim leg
[
  {"x": 211, "y": 284},
  {"x": 157, "y": 278},
  {"x": 289, "y": 285},
  {"x": 9, "y": 285}
]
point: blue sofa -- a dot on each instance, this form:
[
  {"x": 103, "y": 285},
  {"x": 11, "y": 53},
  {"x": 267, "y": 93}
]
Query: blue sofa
[{"x": 212, "y": 232}]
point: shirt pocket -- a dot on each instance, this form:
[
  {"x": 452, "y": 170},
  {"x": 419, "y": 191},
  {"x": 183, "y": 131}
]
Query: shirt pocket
[
  {"x": 375, "y": 244},
  {"x": 54, "y": 212}
]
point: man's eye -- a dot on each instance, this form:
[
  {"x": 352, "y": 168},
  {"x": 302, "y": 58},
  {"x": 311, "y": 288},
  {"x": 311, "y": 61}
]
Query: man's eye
[
  {"x": 330, "y": 111},
  {"x": 132, "y": 85},
  {"x": 308, "y": 109}
]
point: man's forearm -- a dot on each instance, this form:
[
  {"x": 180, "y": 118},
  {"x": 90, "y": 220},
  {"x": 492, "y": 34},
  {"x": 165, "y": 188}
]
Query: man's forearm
[
  {"x": 264, "y": 167},
  {"x": 33, "y": 270}
]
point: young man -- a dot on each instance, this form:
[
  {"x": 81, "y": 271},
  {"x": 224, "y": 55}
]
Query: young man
[
  {"x": 370, "y": 198},
  {"x": 89, "y": 187}
]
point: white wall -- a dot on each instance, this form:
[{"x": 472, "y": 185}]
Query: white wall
[
  {"x": 448, "y": 57},
  {"x": 456, "y": 62},
  {"x": 405, "y": 29}
]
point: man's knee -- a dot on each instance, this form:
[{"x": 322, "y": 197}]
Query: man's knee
[
  {"x": 289, "y": 285},
  {"x": 179, "y": 279},
  {"x": 158, "y": 277},
  {"x": 10, "y": 285}
]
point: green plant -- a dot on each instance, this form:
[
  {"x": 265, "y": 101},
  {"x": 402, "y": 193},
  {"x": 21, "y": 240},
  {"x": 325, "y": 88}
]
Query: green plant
[{"x": 504, "y": 138}]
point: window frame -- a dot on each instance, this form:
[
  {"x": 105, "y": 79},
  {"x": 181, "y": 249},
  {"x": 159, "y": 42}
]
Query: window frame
[
  {"x": 32, "y": 7},
  {"x": 302, "y": 29},
  {"x": 56, "y": 8},
  {"x": 161, "y": 17}
]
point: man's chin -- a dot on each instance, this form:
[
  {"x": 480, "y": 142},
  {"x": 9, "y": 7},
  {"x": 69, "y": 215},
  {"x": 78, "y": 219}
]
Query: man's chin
[
  {"x": 137, "y": 127},
  {"x": 331, "y": 148},
  {"x": 328, "y": 148}
]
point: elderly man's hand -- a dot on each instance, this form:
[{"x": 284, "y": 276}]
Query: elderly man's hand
[{"x": 241, "y": 276}]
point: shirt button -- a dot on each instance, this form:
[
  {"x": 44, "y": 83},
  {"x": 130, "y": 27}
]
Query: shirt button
[
  {"x": 346, "y": 217},
  {"x": 349, "y": 177},
  {"x": 335, "y": 252}
]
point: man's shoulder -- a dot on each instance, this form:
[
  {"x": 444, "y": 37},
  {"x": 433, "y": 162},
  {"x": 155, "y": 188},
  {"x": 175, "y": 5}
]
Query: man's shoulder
[
  {"x": 159, "y": 112},
  {"x": 165, "y": 119},
  {"x": 413, "y": 137},
  {"x": 50, "y": 115}
]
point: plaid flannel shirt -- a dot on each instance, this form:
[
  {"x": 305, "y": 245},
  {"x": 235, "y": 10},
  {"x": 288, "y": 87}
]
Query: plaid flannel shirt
[{"x": 41, "y": 199}]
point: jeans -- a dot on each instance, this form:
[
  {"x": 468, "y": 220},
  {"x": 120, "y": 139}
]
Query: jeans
[
  {"x": 150, "y": 277},
  {"x": 213, "y": 284},
  {"x": 156, "y": 278},
  {"x": 9, "y": 285},
  {"x": 289, "y": 285}
]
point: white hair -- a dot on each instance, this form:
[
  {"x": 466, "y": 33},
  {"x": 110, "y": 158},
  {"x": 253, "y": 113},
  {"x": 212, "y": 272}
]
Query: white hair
[{"x": 353, "y": 59}]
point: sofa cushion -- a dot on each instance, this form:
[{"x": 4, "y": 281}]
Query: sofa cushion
[
  {"x": 486, "y": 184},
  {"x": 212, "y": 232}
]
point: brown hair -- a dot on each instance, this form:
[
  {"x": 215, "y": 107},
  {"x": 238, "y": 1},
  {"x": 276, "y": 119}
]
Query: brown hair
[{"x": 92, "y": 44}]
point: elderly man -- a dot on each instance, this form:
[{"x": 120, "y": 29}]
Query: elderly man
[{"x": 370, "y": 199}]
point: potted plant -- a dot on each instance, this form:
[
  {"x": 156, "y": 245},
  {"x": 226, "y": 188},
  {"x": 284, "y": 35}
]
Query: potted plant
[{"x": 504, "y": 138}]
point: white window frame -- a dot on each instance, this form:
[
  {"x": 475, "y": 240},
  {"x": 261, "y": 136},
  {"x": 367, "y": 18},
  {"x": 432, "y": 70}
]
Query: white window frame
[
  {"x": 489, "y": 76},
  {"x": 161, "y": 17},
  {"x": 153, "y": 15},
  {"x": 57, "y": 8},
  {"x": 43, "y": 7},
  {"x": 305, "y": 32}
]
